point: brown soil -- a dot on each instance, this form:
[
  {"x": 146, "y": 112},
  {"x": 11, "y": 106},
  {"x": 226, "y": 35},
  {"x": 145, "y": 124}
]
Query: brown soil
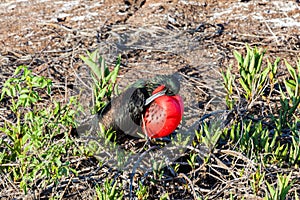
[{"x": 193, "y": 38}]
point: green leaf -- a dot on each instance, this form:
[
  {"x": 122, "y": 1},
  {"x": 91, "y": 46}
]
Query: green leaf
[
  {"x": 102, "y": 92},
  {"x": 271, "y": 189},
  {"x": 252, "y": 66},
  {"x": 112, "y": 76},
  {"x": 24, "y": 91},
  {"x": 17, "y": 71},
  {"x": 248, "y": 56},
  {"x": 243, "y": 74},
  {"x": 290, "y": 86},
  {"x": 93, "y": 55},
  {"x": 23, "y": 96},
  {"x": 264, "y": 74},
  {"x": 33, "y": 100},
  {"x": 249, "y": 81},
  {"x": 291, "y": 70},
  {"x": 5, "y": 91},
  {"x": 92, "y": 65},
  {"x": 238, "y": 57},
  {"x": 116, "y": 70},
  {"x": 103, "y": 67},
  {"x": 260, "y": 55},
  {"x": 245, "y": 86}
]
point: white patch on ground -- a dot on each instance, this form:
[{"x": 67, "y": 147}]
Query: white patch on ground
[
  {"x": 239, "y": 6},
  {"x": 279, "y": 7},
  {"x": 284, "y": 22},
  {"x": 286, "y": 6},
  {"x": 62, "y": 15},
  {"x": 195, "y": 3},
  {"x": 67, "y": 5},
  {"x": 79, "y": 18}
]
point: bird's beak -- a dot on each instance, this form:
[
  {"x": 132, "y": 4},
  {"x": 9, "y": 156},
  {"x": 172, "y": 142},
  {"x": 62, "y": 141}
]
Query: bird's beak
[{"x": 154, "y": 96}]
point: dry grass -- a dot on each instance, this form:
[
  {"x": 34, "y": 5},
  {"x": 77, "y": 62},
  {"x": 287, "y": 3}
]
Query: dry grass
[{"x": 198, "y": 47}]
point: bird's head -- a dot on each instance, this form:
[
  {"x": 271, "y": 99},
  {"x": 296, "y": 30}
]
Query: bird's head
[
  {"x": 169, "y": 83},
  {"x": 162, "y": 85}
]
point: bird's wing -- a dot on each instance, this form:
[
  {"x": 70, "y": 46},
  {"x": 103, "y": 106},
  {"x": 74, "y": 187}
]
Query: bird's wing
[{"x": 128, "y": 110}]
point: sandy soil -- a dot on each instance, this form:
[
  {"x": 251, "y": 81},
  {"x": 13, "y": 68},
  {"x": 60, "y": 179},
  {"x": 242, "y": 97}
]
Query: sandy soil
[{"x": 193, "y": 38}]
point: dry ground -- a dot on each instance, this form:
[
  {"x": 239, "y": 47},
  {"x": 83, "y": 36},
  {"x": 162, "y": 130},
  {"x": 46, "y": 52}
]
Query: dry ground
[{"x": 194, "y": 38}]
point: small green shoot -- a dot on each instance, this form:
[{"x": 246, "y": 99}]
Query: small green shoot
[
  {"x": 253, "y": 78},
  {"x": 142, "y": 192},
  {"x": 280, "y": 192},
  {"x": 109, "y": 191},
  {"x": 104, "y": 79}
]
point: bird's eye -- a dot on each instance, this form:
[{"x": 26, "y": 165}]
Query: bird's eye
[{"x": 169, "y": 92}]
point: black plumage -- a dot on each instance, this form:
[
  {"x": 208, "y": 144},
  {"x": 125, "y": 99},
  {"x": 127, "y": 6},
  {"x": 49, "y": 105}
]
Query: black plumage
[{"x": 125, "y": 112}]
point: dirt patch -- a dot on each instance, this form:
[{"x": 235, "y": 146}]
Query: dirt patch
[{"x": 192, "y": 38}]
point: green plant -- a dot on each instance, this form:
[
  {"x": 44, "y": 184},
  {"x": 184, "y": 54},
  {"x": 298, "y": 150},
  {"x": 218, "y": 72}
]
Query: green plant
[
  {"x": 104, "y": 87},
  {"x": 104, "y": 80},
  {"x": 254, "y": 140},
  {"x": 256, "y": 181},
  {"x": 289, "y": 102},
  {"x": 272, "y": 74},
  {"x": 210, "y": 134},
  {"x": 282, "y": 189},
  {"x": 23, "y": 91},
  {"x": 252, "y": 136},
  {"x": 228, "y": 83},
  {"x": 292, "y": 85},
  {"x": 142, "y": 193},
  {"x": 192, "y": 160},
  {"x": 164, "y": 197},
  {"x": 157, "y": 169},
  {"x": 294, "y": 154},
  {"x": 253, "y": 78},
  {"x": 38, "y": 137},
  {"x": 109, "y": 191}
]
